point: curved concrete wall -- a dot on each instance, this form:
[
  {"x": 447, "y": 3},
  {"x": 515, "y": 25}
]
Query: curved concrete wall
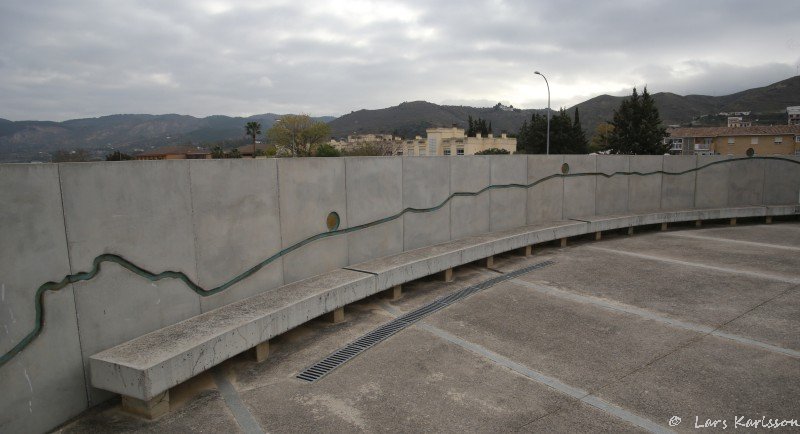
[{"x": 213, "y": 220}]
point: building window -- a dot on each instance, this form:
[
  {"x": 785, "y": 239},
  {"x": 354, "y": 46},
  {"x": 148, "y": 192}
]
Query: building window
[
  {"x": 460, "y": 151},
  {"x": 797, "y": 139},
  {"x": 731, "y": 140},
  {"x": 446, "y": 152},
  {"x": 778, "y": 139},
  {"x": 754, "y": 140}
]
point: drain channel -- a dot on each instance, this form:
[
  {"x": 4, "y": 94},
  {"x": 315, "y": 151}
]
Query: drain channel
[{"x": 351, "y": 350}]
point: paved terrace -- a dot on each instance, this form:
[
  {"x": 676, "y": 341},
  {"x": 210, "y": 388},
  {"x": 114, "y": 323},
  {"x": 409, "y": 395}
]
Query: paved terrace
[{"x": 618, "y": 335}]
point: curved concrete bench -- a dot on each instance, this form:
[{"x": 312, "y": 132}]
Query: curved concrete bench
[{"x": 143, "y": 370}]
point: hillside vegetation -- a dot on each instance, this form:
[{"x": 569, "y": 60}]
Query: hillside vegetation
[{"x": 37, "y": 140}]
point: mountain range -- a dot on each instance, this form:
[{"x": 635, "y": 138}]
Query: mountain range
[{"x": 22, "y": 141}]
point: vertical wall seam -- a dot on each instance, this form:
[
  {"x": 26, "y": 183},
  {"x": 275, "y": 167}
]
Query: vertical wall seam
[
  {"x": 764, "y": 183},
  {"x": 563, "y": 189},
  {"x": 450, "y": 202},
  {"x": 194, "y": 233},
  {"x": 403, "y": 197},
  {"x": 596, "y": 170},
  {"x": 86, "y": 382},
  {"x": 661, "y": 190},
  {"x": 694, "y": 197},
  {"x": 450, "y": 205},
  {"x": 346, "y": 213},
  {"x": 280, "y": 218},
  {"x": 628, "y": 186},
  {"x": 661, "y": 187}
]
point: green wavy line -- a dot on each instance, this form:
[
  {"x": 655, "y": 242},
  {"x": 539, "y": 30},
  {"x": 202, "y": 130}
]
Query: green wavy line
[{"x": 130, "y": 266}]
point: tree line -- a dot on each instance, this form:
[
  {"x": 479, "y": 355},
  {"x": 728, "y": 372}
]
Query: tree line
[{"x": 635, "y": 130}]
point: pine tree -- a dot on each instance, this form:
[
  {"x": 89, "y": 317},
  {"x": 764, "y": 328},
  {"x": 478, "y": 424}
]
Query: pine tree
[{"x": 637, "y": 127}]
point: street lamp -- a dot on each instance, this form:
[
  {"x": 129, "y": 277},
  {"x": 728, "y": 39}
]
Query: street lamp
[{"x": 548, "y": 109}]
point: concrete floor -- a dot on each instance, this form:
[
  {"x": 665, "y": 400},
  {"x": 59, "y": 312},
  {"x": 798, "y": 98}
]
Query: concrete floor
[{"x": 619, "y": 335}]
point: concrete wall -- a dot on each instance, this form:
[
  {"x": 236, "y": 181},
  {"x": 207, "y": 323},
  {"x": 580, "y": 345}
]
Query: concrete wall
[{"x": 216, "y": 219}]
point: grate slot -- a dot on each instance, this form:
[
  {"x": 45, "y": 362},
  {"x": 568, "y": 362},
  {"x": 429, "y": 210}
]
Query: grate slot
[{"x": 349, "y": 351}]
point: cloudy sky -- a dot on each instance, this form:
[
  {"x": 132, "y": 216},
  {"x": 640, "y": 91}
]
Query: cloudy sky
[{"x": 83, "y": 58}]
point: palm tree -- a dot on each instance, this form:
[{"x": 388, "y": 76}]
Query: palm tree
[{"x": 253, "y": 129}]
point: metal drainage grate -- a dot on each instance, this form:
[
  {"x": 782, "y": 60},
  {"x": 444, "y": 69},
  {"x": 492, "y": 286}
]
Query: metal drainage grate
[{"x": 344, "y": 354}]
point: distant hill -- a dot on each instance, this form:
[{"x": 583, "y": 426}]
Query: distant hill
[
  {"x": 683, "y": 110},
  {"x": 410, "y": 119},
  {"x": 36, "y": 140}
]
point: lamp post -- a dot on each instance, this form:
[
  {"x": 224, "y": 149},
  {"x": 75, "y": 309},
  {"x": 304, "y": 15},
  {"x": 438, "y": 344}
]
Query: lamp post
[{"x": 548, "y": 109}]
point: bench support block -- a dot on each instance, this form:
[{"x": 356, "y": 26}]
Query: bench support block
[
  {"x": 447, "y": 275},
  {"x": 563, "y": 242},
  {"x": 663, "y": 226},
  {"x": 630, "y": 230},
  {"x": 490, "y": 262},
  {"x": 152, "y": 409},
  {"x": 768, "y": 220},
  {"x": 394, "y": 293},
  {"x": 525, "y": 251},
  {"x": 261, "y": 351},
  {"x": 598, "y": 235},
  {"x": 336, "y": 316},
  {"x": 733, "y": 222}
]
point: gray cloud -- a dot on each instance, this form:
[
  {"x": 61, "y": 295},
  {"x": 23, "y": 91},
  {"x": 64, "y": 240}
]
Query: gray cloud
[{"x": 67, "y": 59}]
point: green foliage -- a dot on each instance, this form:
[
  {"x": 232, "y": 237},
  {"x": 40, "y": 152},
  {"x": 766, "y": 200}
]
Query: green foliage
[
  {"x": 326, "y": 150},
  {"x": 566, "y": 136},
  {"x": 217, "y": 152},
  {"x": 252, "y": 129},
  {"x": 299, "y": 134},
  {"x": 600, "y": 137},
  {"x": 365, "y": 150},
  {"x": 234, "y": 153},
  {"x": 493, "y": 151},
  {"x": 118, "y": 156},
  {"x": 76, "y": 155},
  {"x": 637, "y": 127},
  {"x": 479, "y": 126}
]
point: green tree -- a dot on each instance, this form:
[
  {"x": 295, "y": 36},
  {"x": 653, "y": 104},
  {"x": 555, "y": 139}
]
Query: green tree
[
  {"x": 637, "y": 127},
  {"x": 600, "y": 137},
  {"x": 235, "y": 153},
  {"x": 217, "y": 152},
  {"x": 118, "y": 156},
  {"x": 566, "y": 136},
  {"x": 253, "y": 129},
  {"x": 326, "y": 150},
  {"x": 493, "y": 151},
  {"x": 299, "y": 134}
]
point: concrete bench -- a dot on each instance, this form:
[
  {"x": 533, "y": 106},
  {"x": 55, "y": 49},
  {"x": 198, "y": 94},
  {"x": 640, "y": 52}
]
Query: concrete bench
[
  {"x": 407, "y": 266},
  {"x": 143, "y": 370},
  {"x": 598, "y": 224}
]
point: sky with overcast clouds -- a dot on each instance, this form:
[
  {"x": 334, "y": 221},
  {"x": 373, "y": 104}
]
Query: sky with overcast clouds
[{"x": 84, "y": 58}]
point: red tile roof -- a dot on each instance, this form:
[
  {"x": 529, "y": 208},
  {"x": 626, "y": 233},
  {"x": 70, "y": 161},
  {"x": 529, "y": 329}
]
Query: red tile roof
[{"x": 757, "y": 130}]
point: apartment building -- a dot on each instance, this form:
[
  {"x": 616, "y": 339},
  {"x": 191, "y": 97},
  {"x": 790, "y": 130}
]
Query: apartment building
[
  {"x": 794, "y": 115},
  {"x": 736, "y": 141},
  {"x": 454, "y": 141}
]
